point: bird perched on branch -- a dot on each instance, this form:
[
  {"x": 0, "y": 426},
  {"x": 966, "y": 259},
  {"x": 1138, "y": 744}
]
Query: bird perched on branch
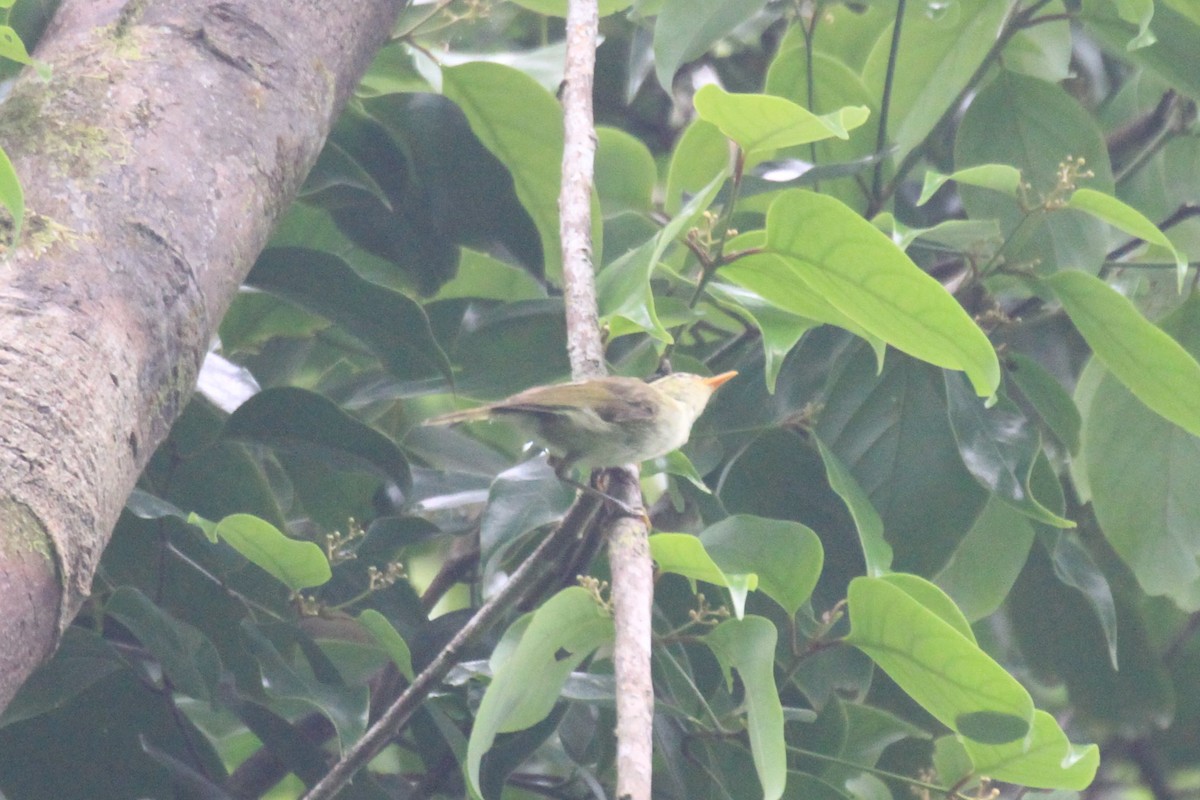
[{"x": 603, "y": 422}]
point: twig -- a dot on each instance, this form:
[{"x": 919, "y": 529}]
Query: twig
[
  {"x": 886, "y": 103},
  {"x": 629, "y": 553},
  {"x": 393, "y": 720}
]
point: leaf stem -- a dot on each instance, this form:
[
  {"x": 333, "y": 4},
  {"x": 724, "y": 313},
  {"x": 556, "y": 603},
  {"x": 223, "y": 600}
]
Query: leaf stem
[
  {"x": 886, "y": 102},
  {"x": 1018, "y": 20},
  {"x": 882, "y": 773}
]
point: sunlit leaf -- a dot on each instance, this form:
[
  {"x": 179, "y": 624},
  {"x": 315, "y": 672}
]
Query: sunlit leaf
[
  {"x": 936, "y": 665},
  {"x": 562, "y": 632},
  {"x": 1146, "y": 360},
  {"x": 858, "y": 270},
  {"x": 299, "y": 565},
  {"x": 763, "y": 122}
]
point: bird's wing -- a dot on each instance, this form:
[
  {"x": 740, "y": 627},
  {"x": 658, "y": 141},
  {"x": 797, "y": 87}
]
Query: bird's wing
[{"x": 619, "y": 399}]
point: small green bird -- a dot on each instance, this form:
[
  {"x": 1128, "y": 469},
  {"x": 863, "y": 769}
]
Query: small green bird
[{"x": 603, "y": 422}]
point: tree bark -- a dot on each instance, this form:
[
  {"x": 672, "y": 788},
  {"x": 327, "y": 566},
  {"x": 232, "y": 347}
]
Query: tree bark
[{"x": 155, "y": 162}]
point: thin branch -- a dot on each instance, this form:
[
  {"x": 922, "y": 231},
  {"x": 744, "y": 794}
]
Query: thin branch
[
  {"x": 394, "y": 719},
  {"x": 1184, "y": 212},
  {"x": 575, "y": 196},
  {"x": 1018, "y": 20},
  {"x": 886, "y": 103}
]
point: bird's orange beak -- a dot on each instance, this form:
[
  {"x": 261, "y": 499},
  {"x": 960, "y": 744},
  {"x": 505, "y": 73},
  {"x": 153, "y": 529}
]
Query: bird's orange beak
[{"x": 717, "y": 380}]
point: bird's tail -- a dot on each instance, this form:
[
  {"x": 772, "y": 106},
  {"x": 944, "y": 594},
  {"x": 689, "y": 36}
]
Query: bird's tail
[{"x": 455, "y": 417}]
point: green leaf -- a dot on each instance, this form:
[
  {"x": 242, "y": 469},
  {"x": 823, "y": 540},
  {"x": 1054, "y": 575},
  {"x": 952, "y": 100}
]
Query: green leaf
[
  {"x": 936, "y": 665},
  {"x": 762, "y": 123},
  {"x": 1131, "y": 701},
  {"x": 1142, "y": 471},
  {"x": 295, "y": 419},
  {"x": 185, "y": 654},
  {"x": 83, "y": 658},
  {"x": 344, "y": 706},
  {"x": 1001, "y": 178},
  {"x": 525, "y": 132},
  {"x": 521, "y": 499},
  {"x": 1046, "y": 760},
  {"x": 866, "y": 277},
  {"x": 748, "y": 645},
  {"x": 560, "y": 635},
  {"x": 12, "y": 196},
  {"x": 1074, "y": 566},
  {"x": 625, "y": 172},
  {"x": 939, "y": 53},
  {"x": 1006, "y": 124},
  {"x": 986, "y": 563},
  {"x": 1173, "y": 55},
  {"x": 684, "y": 554},
  {"x": 298, "y": 565},
  {"x": 623, "y": 287},
  {"x": 391, "y": 324},
  {"x": 686, "y": 29},
  {"x": 932, "y": 598},
  {"x": 700, "y": 155},
  {"x": 786, "y": 556},
  {"x": 780, "y": 330},
  {"x": 876, "y": 551},
  {"x": 389, "y": 639},
  {"x": 1048, "y": 398},
  {"x": 1146, "y": 360},
  {"x": 891, "y": 431},
  {"x": 1128, "y": 219},
  {"x": 483, "y": 277},
  {"x": 778, "y": 281},
  {"x": 999, "y": 447}
]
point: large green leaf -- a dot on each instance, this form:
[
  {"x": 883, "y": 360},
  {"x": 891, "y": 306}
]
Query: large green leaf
[
  {"x": 1047, "y": 396},
  {"x": 344, "y": 706},
  {"x": 780, "y": 282},
  {"x": 984, "y": 566},
  {"x": 525, "y": 132},
  {"x": 560, "y": 635},
  {"x": 685, "y": 29},
  {"x": 940, "y": 49},
  {"x": 296, "y": 419},
  {"x": 891, "y": 430},
  {"x": 854, "y": 266},
  {"x": 83, "y": 658},
  {"x": 936, "y": 664},
  {"x": 786, "y": 556},
  {"x": 1140, "y": 355},
  {"x": 761, "y": 123},
  {"x": 625, "y": 172},
  {"x": 684, "y": 554},
  {"x": 1059, "y": 634},
  {"x": 748, "y": 645},
  {"x": 1142, "y": 471},
  {"x": 392, "y": 325},
  {"x": 1047, "y": 760}
]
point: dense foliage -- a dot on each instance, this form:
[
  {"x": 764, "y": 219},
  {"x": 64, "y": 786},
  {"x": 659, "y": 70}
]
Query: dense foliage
[{"x": 939, "y": 535}]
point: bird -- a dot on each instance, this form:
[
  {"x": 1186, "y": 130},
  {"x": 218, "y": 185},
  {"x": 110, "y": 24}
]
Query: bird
[{"x": 602, "y": 422}]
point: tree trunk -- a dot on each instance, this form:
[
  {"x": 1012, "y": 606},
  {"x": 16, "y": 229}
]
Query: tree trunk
[{"x": 155, "y": 161}]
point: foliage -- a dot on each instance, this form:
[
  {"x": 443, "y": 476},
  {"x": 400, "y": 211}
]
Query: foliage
[{"x": 940, "y": 531}]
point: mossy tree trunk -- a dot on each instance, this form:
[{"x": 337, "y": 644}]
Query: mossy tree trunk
[{"x": 155, "y": 161}]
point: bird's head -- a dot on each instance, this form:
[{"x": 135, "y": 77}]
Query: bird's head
[{"x": 693, "y": 391}]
